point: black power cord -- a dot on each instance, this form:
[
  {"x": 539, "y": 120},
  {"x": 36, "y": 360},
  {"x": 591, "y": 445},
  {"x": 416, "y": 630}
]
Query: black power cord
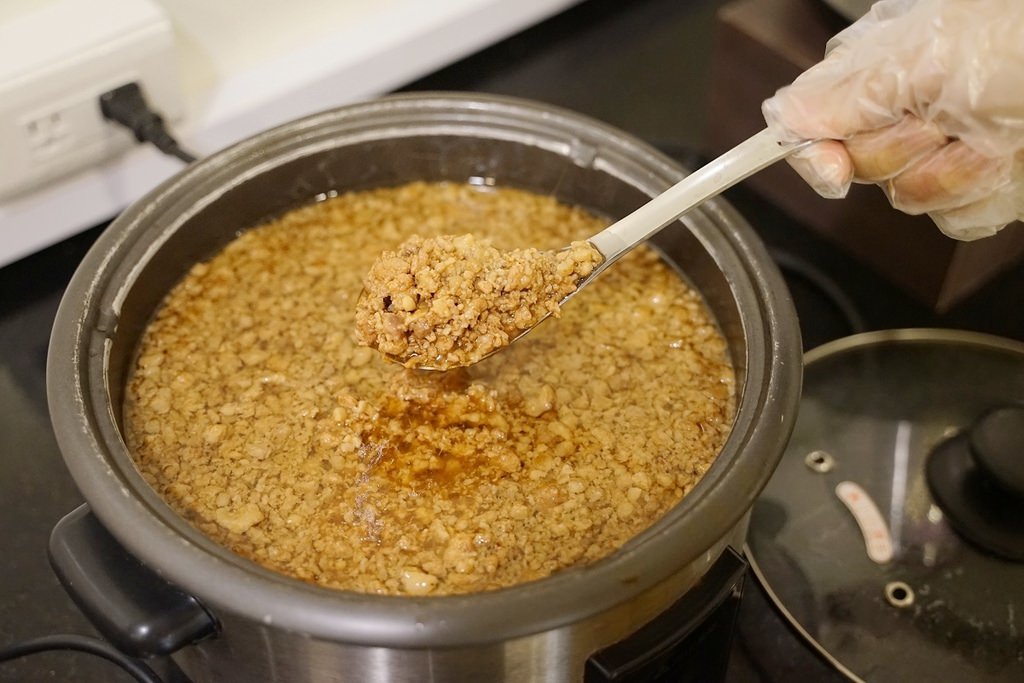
[
  {"x": 127, "y": 106},
  {"x": 94, "y": 646}
]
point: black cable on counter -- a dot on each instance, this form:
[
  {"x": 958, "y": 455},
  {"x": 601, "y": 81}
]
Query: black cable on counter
[{"x": 94, "y": 646}]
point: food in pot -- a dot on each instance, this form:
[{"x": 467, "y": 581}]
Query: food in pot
[
  {"x": 449, "y": 301},
  {"x": 256, "y": 415}
]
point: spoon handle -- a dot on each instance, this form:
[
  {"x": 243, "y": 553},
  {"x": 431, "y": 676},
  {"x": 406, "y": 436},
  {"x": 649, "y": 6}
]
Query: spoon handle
[{"x": 743, "y": 160}]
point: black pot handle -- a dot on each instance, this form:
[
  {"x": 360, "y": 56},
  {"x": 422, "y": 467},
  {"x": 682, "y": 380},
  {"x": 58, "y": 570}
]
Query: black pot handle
[{"x": 133, "y": 607}]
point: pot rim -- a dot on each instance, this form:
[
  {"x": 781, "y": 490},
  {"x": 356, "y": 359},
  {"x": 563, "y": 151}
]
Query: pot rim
[{"x": 88, "y": 436}]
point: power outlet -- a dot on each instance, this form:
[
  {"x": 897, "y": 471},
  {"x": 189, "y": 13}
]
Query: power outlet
[
  {"x": 56, "y": 58},
  {"x": 57, "y": 130}
]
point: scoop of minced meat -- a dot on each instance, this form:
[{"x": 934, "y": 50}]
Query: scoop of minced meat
[{"x": 449, "y": 301}]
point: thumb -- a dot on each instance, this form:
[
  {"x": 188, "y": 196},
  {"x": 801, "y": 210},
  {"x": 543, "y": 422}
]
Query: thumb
[{"x": 826, "y": 167}]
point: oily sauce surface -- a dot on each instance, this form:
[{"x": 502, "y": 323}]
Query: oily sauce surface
[{"x": 255, "y": 414}]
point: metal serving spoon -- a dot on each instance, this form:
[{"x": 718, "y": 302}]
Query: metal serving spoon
[
  {"x": 750, "y": 156},
  {"x": 742, "y": 161}
]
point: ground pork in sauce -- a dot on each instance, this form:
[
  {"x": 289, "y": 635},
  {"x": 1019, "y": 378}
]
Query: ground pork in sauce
[
  {"x": 449, "y": 301},
  {"x": 255, "y": 414}
]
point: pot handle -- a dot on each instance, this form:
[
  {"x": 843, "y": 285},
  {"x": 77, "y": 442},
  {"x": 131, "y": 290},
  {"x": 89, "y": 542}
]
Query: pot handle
[{"x": 134, "y": 608}]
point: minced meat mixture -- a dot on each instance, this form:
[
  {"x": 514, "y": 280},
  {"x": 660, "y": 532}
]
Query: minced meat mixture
[
  {"x": 449, "y": 301},
  {"x": 256, "y": 415}
]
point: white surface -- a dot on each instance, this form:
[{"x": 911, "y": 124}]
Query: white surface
[
  {"x": 246, "y": 66},
  {"x": 50, "y": 124}
]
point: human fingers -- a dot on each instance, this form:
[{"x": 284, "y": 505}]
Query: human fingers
[
  {"x": 949, "y": 178},
  {"x": 826, "y": 167},
  {"x": 886, "y": 152},
  {"x": 986, "y": 216},
  {"x": 982, "y": 218}
]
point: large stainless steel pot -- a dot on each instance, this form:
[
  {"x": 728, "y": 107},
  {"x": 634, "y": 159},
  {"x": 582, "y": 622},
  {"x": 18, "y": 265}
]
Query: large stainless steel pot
[{"x": 270, "y": 627}]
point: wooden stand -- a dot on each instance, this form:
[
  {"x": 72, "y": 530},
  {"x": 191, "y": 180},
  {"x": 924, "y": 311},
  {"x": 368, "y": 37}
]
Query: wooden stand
[{"x": 762, "y": 45}]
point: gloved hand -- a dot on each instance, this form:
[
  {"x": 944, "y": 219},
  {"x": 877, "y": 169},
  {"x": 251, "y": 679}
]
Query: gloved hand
[{"x": 926, "y": 99}]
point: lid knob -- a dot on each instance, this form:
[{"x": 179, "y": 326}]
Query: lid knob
[
  {"x": 997, "y": 444},
  {"x": 977, "y": 478}
]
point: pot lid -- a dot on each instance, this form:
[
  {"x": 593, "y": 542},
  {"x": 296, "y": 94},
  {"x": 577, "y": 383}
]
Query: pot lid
[{"x": 848, "y": 538}]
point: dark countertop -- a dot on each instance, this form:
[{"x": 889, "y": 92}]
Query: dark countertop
[{"x": 642, "y": 66}]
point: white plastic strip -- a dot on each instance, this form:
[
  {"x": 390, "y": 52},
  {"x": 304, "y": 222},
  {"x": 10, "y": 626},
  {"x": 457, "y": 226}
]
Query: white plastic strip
[{"x": 877, "y": 539}]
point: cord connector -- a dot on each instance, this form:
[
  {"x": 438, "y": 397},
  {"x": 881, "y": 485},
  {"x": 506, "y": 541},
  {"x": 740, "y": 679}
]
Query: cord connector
[{"x": 127, "y": 106}]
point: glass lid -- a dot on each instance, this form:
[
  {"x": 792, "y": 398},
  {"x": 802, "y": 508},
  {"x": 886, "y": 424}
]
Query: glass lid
[{"x": 847, "y": 537}]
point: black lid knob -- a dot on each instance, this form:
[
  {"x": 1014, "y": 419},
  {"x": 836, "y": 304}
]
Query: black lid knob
[
  {"x": 997, "y": 444},
  {"x": 977, "y": 478}
]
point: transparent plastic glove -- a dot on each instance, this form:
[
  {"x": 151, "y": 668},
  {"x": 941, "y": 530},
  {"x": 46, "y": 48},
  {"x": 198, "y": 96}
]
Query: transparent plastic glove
[{"x": 924, "y": 98}]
